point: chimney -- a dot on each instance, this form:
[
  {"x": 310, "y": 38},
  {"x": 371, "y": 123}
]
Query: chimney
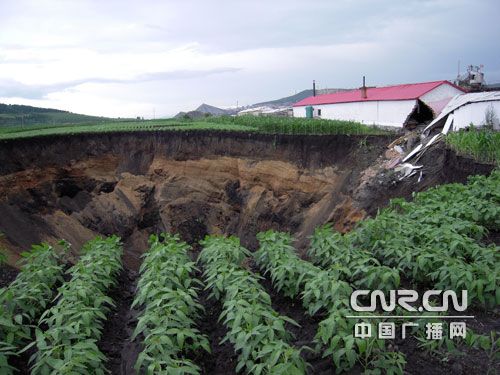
[
  {"x": 314, "y": 87},
  {"x": 364, "y": 94}
]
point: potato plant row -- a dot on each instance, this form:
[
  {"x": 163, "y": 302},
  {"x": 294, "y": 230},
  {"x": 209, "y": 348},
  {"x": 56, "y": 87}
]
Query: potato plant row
[
  {"x": 434, "y": 240},
  {"x": 324, "y": 290},
  {"x": 257, "y": 332},
  {"x": 169, "y": 296},
  {"x": 22, "y": 302},
  {"x": 74, "y": 324}
]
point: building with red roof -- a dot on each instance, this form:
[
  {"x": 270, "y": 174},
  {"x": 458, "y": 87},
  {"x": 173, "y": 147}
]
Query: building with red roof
[{"x": 391, "y": 106}]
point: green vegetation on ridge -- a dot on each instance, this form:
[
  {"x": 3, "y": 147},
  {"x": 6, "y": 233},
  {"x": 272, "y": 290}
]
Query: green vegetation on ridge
[
  {"x": 251, "y": 124},
  {"x": 295, "y": 125},
  {"x": 24, "y": 115},
  {"x": 481, "y": 144}
]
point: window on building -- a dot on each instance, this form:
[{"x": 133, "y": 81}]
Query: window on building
[{"x": 319, "y": 112}]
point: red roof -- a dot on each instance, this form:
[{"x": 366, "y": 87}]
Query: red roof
[{"x": 398, "y": 92}]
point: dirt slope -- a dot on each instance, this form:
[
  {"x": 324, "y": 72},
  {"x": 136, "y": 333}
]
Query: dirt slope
[{"x": 193, "y": 183}]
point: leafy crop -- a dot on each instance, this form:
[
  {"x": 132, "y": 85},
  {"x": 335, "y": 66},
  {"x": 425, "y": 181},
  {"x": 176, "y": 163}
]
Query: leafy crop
[
  {"x": 434, "y": 240},
  {"x": 324, "y": 290},
  {"x": 74, "y": 324},
  {"x": 257, "y": 332},
  {"x": 168, "y": 293},
  {"x": 25, "y": 299},
  {"x": 330, "y": 249}
]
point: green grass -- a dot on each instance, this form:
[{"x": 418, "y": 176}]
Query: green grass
[
  {"x": 16, "y": 132},
  {"x": 287, "y": 125},
  {"x": 265, "y": 125},
  {"x": 483, "y": 145}
]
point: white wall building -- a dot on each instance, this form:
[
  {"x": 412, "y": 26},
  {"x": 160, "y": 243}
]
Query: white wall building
[
  {"x": 391, "y": 106},
  {"x": 478, "y": 109}
]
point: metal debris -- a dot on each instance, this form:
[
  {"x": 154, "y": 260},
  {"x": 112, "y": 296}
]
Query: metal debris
[
  {"x": 407, "y": 170},
  {"x": 399, "y": 149},
  {"x": 412, "y": 153}
]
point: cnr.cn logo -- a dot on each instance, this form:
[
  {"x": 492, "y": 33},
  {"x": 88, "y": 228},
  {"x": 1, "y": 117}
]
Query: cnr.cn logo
[{"x": 432, "y": 300}]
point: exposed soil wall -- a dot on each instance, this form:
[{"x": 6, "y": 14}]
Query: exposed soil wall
[{"x": 194, "y": 183}]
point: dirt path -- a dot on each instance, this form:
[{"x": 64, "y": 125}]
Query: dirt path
[
  {"x": 223, "y": 359},
  {"x": 115, "y": 342},
  {"x": 7, "y": 275}
]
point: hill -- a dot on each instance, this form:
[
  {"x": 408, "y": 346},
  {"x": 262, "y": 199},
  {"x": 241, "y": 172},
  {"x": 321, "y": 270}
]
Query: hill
[
  {"x": 205, "y": 110},
  {"x": 214, "y": 111},
  {"x": 287, "y": 101},
  {"x": 290, "y": 100},
  {"x": 14, "y": 114}
]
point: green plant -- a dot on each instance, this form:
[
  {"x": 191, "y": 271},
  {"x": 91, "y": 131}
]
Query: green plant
[
  {"x": 25, "y": 299},
  {"x": 321, "y": 290},
  {"x": 434, "y": 240},
  {"x": 257, "y": 332},
  {"x": 293, "y": 125},
  {"x": 331, "y": 249},
  {"x": 169, "y": 298},
  {"x": 74, "y": 323},
  {"x": 482, "y": 144}
]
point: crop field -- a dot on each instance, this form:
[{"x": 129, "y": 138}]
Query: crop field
[
  {"x": 54, "y": 313},
  {"x": 482, "y": 145},
  {"x": 249, "y": 124}
]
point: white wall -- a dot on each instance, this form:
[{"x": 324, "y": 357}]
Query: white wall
[
  {"x": 475, "y": 113},
  {"x": 386, "y": 113},
  {"x": 439, "y": 97}
]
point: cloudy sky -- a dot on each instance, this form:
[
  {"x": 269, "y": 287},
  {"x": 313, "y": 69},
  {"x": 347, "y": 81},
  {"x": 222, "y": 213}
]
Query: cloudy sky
[{"x": 140, "y": 58}]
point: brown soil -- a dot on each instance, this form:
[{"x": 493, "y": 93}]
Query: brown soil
[
  {"x": 121, "y": 352},
  {"x": 223, "y": 359},
  {"x": 191, "y": 183},
  {"x": 197, "y": 183},
  {"x": 7, "y": 274}
]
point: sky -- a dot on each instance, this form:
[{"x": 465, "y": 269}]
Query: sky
[{"x": 151, "y": 58}]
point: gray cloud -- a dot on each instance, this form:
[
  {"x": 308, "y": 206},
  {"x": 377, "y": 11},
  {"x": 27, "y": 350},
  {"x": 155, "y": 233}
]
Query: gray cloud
[{"x": 11, "y": 88}]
